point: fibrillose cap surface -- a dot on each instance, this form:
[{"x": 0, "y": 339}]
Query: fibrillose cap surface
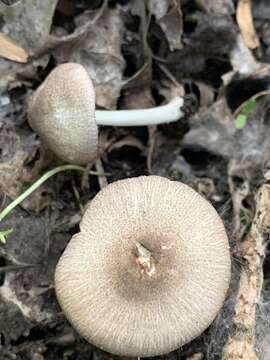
[
  {"x": 132, "y": 304},
  {"x": 62, "y": 113}
]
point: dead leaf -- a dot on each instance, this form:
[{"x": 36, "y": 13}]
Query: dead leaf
[
  {"x": 14, "y": 174},
  {"x": 137, "y": 99},
  {"x": 137, "y": 89},
  {"x": 213, "y": 37},
  {"x": 172, "y": 25},
  {"x": 142, "y": 78},
  {"x": 207, "y": 94},
  {"x": 128, "y": 141},
  {"x": 211, "y": 129},
  {"x": 245, "y": 23},
  {"x": 10, "y": 50},
  {"x": 170, "y": 87},
  {"x": 238, "y": 53},
  {"x": 222, "y": 7},
  {"x": 99, "y": 51},
  {"x": 159, "y": 8},
  {"x": 29, "y": 22},
  {"x": 18, "y": 151}
]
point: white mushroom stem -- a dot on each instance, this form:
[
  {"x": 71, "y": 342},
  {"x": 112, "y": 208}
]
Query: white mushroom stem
[{"x": 142, "y": 117}]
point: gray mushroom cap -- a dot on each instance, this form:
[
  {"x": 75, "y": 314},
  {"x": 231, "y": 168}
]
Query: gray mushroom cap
[
  {"x": 149, "y": 270},
  {"x": 62, "y": 113}
]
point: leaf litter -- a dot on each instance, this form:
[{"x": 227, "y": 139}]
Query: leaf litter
[{"x": 139, "y": 55}]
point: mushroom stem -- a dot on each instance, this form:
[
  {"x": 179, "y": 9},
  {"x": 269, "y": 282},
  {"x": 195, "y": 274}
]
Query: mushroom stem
[
  {"x": 142, "y": 117},
  {"x": 145, "y": 260}
]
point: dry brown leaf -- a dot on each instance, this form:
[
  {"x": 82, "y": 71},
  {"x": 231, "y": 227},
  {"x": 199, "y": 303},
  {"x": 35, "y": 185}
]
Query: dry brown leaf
[
  {"x": 20, "y": 166},
  {"x": 166, "y": 16},
  {"x": 170, "y": 88},
  {"x": 136, "y": 92},
  {"x": 99, "y": 51},
  {"x": 29, "y": 22},
  {"x": 222, "y": 7},
  {"x": 172, "y": 25},
  {"x": 245, "y": 23},
  {"x": 137, "y": 99},
  {"x": 159, "y": 8},
  {"x": 207, "y": 94},
  {"x": 10, "y": 50},
  {"x": 128, "y": 141}
]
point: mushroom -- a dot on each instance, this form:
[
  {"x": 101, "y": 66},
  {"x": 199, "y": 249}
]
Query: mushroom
[
  {"x": 62, "y": 113},
  {"x": 149, "y": 270}
]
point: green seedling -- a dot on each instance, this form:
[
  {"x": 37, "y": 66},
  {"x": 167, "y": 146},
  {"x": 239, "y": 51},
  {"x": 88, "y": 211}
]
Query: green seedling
[
  {"x": 4, "y": 234},
  {"x": 246, "y": 108},
  {"x": 32, "y": 188},
  {"x": 241, "y": 114}
]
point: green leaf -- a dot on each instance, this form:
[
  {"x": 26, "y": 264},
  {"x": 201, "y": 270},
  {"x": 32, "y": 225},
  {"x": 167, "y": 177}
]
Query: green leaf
[
  {"x": 240, "y": 121},
  {"x": 4, "y": 234},
  {"x": 248, "y": 106}
]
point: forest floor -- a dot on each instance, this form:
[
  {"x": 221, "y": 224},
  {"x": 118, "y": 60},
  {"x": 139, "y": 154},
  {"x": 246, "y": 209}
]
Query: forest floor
[{"x": 140, "y": 54}]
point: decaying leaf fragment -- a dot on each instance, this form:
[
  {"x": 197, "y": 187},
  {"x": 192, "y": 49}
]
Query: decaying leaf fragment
[
  {"x": 245, "y": 23},
  {"x": 29, "y": 22},
  {"x": 10, "y": 50},
  {"x": 99, "y": 51},
  {"x": 168, "y": 15},
  {"x": 222, "y": 7}
]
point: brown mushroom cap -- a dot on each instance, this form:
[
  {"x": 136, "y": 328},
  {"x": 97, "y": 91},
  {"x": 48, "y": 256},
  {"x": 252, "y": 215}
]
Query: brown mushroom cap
[
  {"x": 149, "y": 270},
  {"x": 62, "y": 113}
]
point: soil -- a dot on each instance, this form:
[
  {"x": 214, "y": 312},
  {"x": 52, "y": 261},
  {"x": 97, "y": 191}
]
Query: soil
[{"x": 139, "y": 54}]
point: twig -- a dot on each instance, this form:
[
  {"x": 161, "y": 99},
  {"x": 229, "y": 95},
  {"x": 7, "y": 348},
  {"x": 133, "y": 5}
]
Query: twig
[
  {"x": 241, "y": 344},
  {"x": 102, "y": 180},
  {"x": 8, "y": 268},
  {"x": 152, "y": 135},
  {"x": 77, "y": 196}
]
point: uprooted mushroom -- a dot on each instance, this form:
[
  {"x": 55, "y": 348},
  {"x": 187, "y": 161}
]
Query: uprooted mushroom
[{"x": 62, "y": 112}]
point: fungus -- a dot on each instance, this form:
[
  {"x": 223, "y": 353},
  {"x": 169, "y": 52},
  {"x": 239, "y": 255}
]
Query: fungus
[
  {"x": 148, "y": 271},
  {"x": 62, "y": 112}
]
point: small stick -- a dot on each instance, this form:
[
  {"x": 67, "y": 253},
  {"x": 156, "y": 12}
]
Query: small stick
[
  {"x": 102, "y": 180},
  {"x": 9, "y": 268}
]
